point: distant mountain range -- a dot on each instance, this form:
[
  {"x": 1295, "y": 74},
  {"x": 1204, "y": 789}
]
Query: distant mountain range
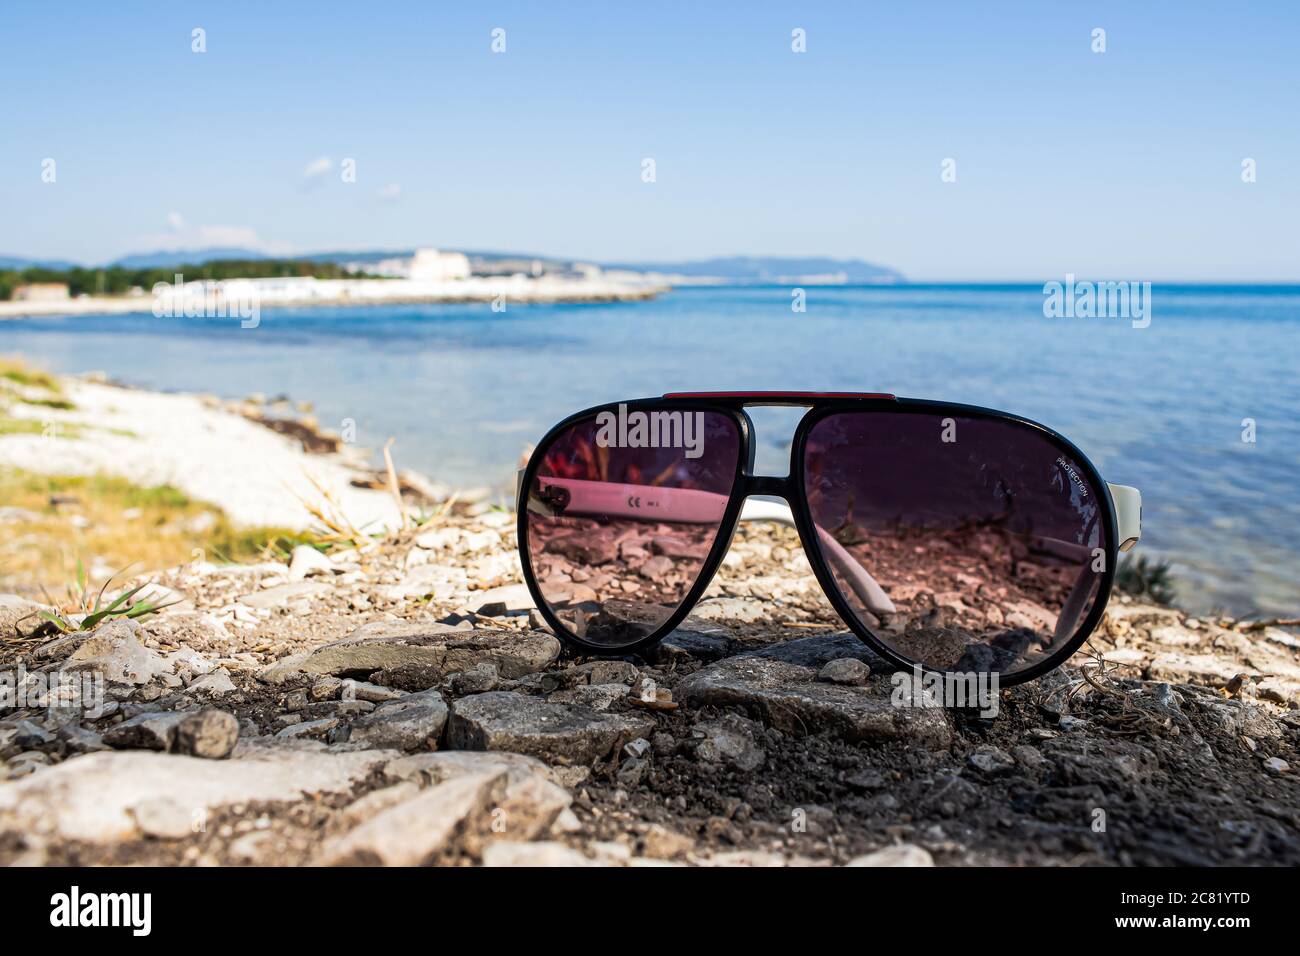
[
  {"x": 732, "y": 268},
  {"x": 184, "y": 257},
  {"x": 743, "y": 269},
  {"x": 767, "y": 268},
  {"x": 13, "y": 262},
  {"x": 147, "y": 260}
]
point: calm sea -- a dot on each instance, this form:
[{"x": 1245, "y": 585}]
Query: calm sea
[{"x": 464, "y": 389}]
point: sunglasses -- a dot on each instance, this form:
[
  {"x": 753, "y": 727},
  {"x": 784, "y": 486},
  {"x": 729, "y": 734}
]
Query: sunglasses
[{"x": 950, "y": 538}]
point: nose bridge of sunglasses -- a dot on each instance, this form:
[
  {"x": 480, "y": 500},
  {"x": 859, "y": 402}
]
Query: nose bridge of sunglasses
[{"x": 771, "y": 434}]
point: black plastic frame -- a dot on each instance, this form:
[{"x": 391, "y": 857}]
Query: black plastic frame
[{"x": 791, "y": 489}]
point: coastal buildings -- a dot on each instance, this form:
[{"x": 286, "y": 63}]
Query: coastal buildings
[
  {"x": 426, "y": 265},
  {"x": 430, "y": 265},
  {"x": 509, "y": 266},
  {"x": 245, "y": 298},
  {"x": 428, "y": 275},
  {"x": 434, "y": 265},
  {"x": 41, "y": 292}
]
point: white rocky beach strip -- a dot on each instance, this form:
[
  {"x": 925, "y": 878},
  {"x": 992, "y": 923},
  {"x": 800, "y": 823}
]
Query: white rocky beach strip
[
  {"x": 229, "y": 296},
  {"x": 256, "y": 476}
]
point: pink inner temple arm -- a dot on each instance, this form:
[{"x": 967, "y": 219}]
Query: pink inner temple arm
[
  {"x": 688, "y": 505},
  {"x": 650, "y": 503}
]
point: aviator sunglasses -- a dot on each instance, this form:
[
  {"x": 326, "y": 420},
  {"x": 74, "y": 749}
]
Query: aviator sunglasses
[{"x": 947, "y": 537}]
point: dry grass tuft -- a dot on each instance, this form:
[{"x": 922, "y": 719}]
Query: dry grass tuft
[
  {"x": 14, "y": 369},
  {"x": 109, "y": 522}
]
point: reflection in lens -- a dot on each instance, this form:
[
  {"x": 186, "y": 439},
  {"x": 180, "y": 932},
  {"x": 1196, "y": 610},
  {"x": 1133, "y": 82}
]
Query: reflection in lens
[
  {"x": 622, "y": 513},
  {"x": 987, "y": 537}
]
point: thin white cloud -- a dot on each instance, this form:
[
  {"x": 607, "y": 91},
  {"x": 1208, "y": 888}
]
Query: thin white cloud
[
  {"x": 175, "y": 221},
  {"x": 390, "y": 193},
  {"x": 206, "y": 237},
  {"x": 243, "y": 237},
  {"x": 318, "y": 167}
]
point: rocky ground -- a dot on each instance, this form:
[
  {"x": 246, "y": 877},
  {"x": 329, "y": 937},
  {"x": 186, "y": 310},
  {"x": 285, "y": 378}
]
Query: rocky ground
[{"x": 402, "y": 704}]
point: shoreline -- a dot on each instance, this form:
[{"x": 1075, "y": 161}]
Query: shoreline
[
  {"x": 231, "y": 294},
  {"x": 234, "y": 455}
]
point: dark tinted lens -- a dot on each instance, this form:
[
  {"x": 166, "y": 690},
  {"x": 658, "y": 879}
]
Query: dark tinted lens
[
  {"x": 987, "y": 540},
  {"x": 622, "y": 512}
]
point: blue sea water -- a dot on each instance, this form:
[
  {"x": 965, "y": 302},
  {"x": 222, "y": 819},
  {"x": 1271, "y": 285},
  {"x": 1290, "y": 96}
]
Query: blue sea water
[{"x": 464, "y": 389}]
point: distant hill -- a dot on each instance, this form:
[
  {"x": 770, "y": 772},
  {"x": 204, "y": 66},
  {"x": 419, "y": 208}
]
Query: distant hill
[
  {"x": 374, "y": 255},
  {"x": 739, "y": 269},
  {"x": 726, "y": 268},
  {"x": 366, "y": 255},
  {"x": 186, "y": 257},
  {"x": 768, "y": 268},
  {"x": 15, "y": 262}
]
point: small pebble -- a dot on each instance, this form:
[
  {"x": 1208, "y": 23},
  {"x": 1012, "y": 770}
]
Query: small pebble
[{"x": 845, "y": 670}]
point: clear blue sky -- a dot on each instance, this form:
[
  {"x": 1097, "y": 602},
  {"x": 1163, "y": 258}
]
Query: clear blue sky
[{"x": 1124, "y": 164}]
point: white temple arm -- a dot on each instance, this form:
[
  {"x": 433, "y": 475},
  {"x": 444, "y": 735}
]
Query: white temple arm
[
  {"x": 1128, "y": 522},
  {"x": 1128, "y": 514},
  {"x": 863, "y": 584}
]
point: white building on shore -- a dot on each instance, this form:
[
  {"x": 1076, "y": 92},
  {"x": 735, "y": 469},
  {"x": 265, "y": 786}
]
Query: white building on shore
[
  {"x": 41, "y": 292},
  {"x": 427, "y": 265},
  {"x": 430, "y": 265}
]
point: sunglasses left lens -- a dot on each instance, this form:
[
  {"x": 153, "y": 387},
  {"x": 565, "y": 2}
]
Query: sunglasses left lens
[{"x": 623, "y": 509}]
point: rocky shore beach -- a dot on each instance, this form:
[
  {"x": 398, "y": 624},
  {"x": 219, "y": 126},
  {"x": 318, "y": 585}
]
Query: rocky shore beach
[
  {"x": 221, "y": 299},
  {"x": 396, "y": 699}
]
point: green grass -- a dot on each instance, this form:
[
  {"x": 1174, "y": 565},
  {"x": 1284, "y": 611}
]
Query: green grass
[
  {"x": 162, "y": 497},
  {"x": 60, "y": 404},
  {"x": 1149, "y": 579},
  {"x": 34, "y": 426},
  {"x": 249, "y": 542},
  {"x": 20, "y": 373},
  {"x": 14, "y": 372},
  {"x": 126, "y": 525},
  {"x": 101, "y": 608}
]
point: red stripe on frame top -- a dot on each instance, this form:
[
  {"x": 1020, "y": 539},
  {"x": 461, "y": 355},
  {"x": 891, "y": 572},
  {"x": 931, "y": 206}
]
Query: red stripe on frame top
[{"x": 769, "y": 395}]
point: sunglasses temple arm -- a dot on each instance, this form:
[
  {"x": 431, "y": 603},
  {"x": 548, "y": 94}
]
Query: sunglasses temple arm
[
  {"x": 1127, "y": 503},
  {"x": 1128, "y": 520},
  {"x": 700, "y": 507},
  {"x": 1128, "y": 514},
  {"x": 871, "y": 594},
  {"x": 690, "y": 505}
]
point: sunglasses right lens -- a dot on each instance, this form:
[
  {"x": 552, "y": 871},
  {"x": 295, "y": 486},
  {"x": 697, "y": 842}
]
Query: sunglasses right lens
[
  {"x": 623, "y": 510},
  {"x": 963, "y": 544}
]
